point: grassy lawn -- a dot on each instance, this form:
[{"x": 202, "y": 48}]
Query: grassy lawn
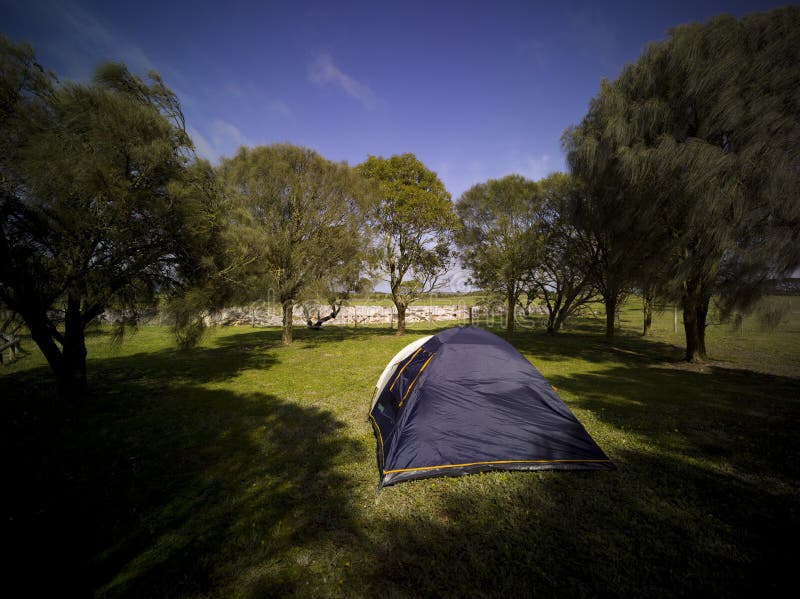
[{"x": 243, "y": 468}]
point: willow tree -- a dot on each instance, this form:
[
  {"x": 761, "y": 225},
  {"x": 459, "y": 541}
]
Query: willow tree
[
  {"x": 563, "y": 275},
  {"x": 499, "y": 236},
  {"x": 212, "y": 257},
  {"x": 701, "y": 134},
  {"x": 412, "y": 219},
  {"x": 88, "y": 215},
  {"x": 299, "y": 213},
  {"x": 606, "y": 219}
]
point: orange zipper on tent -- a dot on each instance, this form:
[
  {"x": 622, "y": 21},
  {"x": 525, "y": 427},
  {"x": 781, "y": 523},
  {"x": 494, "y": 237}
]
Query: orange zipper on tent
[
  {"x": 414, "y": 355},
  {"x": 421, "y": 370}
]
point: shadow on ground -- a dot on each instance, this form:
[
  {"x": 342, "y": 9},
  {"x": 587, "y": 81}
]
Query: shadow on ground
[
  {"x": 163, "y": 485},
  {"x": 657, "y": 528},
  {"x": 158, "y": 487},
  {"x": 271, "y": 337},
  {"x": 704, "y": 502},
  {"x": 593, "y": 347}
]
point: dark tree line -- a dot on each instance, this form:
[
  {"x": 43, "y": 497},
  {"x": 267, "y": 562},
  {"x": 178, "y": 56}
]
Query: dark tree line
[
  {"x": 684, "y": 185},
  {"x": 691, "y": 160}
]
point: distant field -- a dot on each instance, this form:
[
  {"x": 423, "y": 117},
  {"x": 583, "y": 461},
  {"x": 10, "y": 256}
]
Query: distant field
[{"x": 243, "y": 468}]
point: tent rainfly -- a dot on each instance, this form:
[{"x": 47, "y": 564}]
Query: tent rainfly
[{"x": 465, "y": 401}]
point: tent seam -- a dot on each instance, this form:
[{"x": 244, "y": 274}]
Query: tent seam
[
  {"x": 380, "y": 438},
  {"x": 492, "y": 462}
]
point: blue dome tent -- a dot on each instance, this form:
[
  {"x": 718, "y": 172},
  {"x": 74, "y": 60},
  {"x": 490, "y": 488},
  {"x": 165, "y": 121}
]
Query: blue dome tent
[{"x": 465, "y": 401}]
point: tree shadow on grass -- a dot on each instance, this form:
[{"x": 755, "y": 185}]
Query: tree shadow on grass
[
  {"x": 704, "y": 502},
  {"x": 583, "y": 341},
  {"x": 593, "y": 347},
  {"x": 303, "y": 337},
  {"x": 659, "y": 528},
  {"x": 184, "y": 491},
  {"x": 738, "y": 416},
  {"x": 162, "y": 486}
]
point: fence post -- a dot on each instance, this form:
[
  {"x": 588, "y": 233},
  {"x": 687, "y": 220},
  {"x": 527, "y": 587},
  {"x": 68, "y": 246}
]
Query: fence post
[{"x": 674, "y": 319}]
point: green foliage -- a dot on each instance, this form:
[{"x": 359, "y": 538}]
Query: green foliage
[
  {"x": 298, "y": 216},
  {"x": 563, "y": 274},
  {"x": 88, "y": 215},
  {"x": 695, "y": 147},
  {"x": 412, "y": 219},
  {"x": 500, "y": 236},
  {"x": 212, "y": 259},
  {"x": 610, "y": 223}
]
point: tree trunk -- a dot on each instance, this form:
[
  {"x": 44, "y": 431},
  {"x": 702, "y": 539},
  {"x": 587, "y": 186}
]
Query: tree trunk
[
  {"x": 71, "y": 374},
  {"x": 692, "y": 335},
  {"x": 611, "y": 314},
  {"x": 43, "y": 339},
  {"x": 511, "y": 302},
  {"x": 702, "y": 314},
  {"x": 401, "y": 318},
  {"x": 317, "y": 325},
  {"x": 647, "y": 313},
  {"x": 690, "y": 303},
  {"x": 555, "y": 317},
  {"x": 69, "y": 363},
  {"x": 286, "y": 336},
  {"x": 559, "y": 321}
]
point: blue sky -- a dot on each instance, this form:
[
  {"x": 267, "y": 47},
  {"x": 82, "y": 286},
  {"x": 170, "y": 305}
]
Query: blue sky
[{"x": 476, "y": 90}]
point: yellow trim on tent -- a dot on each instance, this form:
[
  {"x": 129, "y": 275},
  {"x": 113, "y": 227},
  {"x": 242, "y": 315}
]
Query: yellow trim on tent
[
  {"x": 415, "y": 380},
  {"x": 404, "y": 367},
  {"x": 486, "y": 463},
  {"x": 380, "y": 438}
]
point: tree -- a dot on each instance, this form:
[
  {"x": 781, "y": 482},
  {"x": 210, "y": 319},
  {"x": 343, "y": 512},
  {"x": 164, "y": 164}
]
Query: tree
[
  {"x": 499, "y": 236},
  {"x": 331, "y": 290},
  {"x": 562, "y": 275},
  {"x": 87, "y": 218},
  {"x": 606, "y": 226},
  {"x": 702, "y": 133},
  {"x": 299, "y": 214},
  {"x": 213, "y": 259},
  {"x": 412, "y": 218}
]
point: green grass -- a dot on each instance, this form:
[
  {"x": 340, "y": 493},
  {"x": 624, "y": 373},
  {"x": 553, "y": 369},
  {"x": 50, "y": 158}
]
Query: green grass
[{"x": 243, "y": 468}]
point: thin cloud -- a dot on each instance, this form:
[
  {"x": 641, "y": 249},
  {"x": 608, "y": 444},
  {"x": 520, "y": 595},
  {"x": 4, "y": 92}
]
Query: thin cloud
[
  {"x": 248, "y": 94},
  {"x": 225, "y": 132},
  {"x": 220, "y": 139},
  {"x": 279, "y": 108},
  {"x": 511, "y": 160},
  {"x": 202, "y": 146},
  {"x": 322, "y": 70},
  {"x": 83, "y": 40},
  {"x": 534, "y": 167}
]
